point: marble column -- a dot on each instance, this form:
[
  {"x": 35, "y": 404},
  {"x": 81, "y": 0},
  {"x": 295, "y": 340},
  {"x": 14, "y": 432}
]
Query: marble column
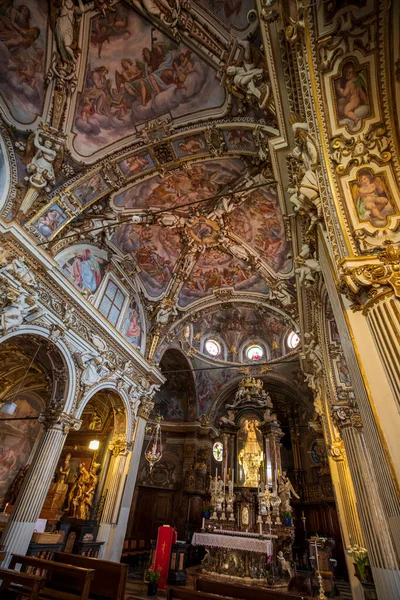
[
  {"x": 122, "y": 481},
  {"x": 347, "y": 510},
  {"x": 21, "y": 525},
  {"x": 382, "y": 553}
]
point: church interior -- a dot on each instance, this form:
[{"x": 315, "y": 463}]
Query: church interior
[{"x": 199, "y": 299}]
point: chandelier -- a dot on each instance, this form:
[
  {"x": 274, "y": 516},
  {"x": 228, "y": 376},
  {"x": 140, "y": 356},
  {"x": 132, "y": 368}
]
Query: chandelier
[{"x": 153, "y": 452}]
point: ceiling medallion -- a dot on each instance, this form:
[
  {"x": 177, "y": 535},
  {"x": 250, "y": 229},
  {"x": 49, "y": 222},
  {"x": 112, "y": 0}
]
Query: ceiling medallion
[{"x": 204, "y": 231}]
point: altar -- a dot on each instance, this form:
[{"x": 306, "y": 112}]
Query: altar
[
  {"x": 249, "y": 532},
  {"x": 235, "y": 554}
]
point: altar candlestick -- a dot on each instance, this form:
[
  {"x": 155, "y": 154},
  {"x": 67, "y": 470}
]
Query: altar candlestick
[{"x": 233, "y": 476}]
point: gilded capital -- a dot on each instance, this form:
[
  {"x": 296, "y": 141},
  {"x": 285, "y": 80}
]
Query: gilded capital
[
  {"x": 364, "y": 277},
  {"x": 145, "y": 407},
  {"x": 337, "y": 450}
]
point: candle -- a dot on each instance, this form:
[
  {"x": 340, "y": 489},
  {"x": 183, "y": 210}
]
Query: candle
[
  {"x": 260, "y": 528},
  {"x": 302, "y": 514},
  {"x": 233, "y": 475},
  {"x": 203, "y": 523}
]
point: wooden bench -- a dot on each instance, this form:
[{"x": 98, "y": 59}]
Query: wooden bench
[
  {"x": 180, "y": 593},
  {"x": 249, "y": 592},
  {"x": 109, "y": 580},
  {"x": 27, "y": 585},
  {"x": 62, "y": 581}
]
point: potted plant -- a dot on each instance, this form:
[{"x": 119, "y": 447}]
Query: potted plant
[
  {"x": 152, "y": 575},
  {"x": 207, "y": 508},
  {"x": 360, "y": 557},
  {"x": 286, "y": 517}
]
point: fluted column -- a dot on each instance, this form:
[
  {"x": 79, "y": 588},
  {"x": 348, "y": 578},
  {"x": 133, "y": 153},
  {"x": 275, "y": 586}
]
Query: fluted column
[
  {"x": 20, "y": 527},
  {"x": 379, "y": 542},
  {"x": 122, "y": 483},
  {"x": 347, "y": 510}
]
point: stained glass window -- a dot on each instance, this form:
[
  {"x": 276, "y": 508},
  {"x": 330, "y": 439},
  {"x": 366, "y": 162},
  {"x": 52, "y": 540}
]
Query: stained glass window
[
  {"x": 254, "y": 352},
  {"x": 218, "y": 451},
  {"x": 213, "y": 347},
  {"x": 293, "y": 340}
]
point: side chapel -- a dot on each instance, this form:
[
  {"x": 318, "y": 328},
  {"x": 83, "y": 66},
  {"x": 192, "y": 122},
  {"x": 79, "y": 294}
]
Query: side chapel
[{"x": 200, "y": 298}]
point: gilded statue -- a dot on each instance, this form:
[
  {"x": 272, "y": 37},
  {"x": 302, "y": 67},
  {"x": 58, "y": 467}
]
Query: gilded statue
[
  {"x": 251, "y": 456},
  {"x": 80, "y": 498}
]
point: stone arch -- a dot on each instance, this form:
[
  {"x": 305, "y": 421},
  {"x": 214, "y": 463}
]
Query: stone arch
[
  {"x": 111, "y": 386},
  {"x": 61, "y": 347},
  {"x": 174, "y": 360}
]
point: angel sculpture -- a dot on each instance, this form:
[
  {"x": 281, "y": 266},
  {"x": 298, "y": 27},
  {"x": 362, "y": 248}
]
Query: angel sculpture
[
  {"x": 41, "y": 166},
  {"x": 285, "y": 490},
  {"x": 94, "y": 368},
  {"x": 14, "y": 313},
  {"x": 284, "y": 564},
  {"x": 64, "y": 22}
]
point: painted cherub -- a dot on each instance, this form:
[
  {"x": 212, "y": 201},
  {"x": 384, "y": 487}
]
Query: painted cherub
[
  {"x": 370, "y": 195},
  {"x": 351, "y": 90}
]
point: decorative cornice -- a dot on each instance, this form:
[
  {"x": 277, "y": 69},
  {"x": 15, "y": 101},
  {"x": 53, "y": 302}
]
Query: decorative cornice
[{"x": 55, "y": 419}]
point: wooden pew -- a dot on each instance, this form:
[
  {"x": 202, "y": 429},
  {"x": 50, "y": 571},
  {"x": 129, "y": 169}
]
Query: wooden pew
[
  {"x": 27, "y": 585},
  {"x": 180, "y": 593},
  {"x": 62, "y": 581},
  {"x": 109, "y": 580},
  {"x": 235, "y": 590}
]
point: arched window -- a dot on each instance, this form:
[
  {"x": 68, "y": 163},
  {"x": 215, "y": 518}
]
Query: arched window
[
  {"x": 218, "y": 451},
  {"x": 213, "y": 348},
  {"x": 254, "y": 352},
  {"x": 293, "y": 340}
]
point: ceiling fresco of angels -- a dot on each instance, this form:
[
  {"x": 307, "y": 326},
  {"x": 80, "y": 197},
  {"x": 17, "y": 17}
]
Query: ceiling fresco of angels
[
  {"x": 134, "y": 73},
  {"x": 157, "y": 158}
]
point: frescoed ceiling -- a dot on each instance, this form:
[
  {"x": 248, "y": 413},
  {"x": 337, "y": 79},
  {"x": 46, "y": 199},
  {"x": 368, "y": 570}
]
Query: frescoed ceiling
[{"x": 158, "y": 121}]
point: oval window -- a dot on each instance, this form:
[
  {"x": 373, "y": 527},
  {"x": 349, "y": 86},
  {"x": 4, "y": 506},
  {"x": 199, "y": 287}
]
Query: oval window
[
  {"x": 213, "y": 347},
  {"x": 293, "y": 340},
  {"x": 218, "y": 451},
  {"x": 254, "y": 352}
]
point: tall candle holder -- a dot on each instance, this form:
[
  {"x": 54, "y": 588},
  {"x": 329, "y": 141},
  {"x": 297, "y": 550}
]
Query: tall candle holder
[{"x": 321, "y": 595}]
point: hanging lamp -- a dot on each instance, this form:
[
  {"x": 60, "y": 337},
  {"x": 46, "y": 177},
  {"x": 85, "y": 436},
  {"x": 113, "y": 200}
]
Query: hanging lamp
[{"x": 153, "y": 452}]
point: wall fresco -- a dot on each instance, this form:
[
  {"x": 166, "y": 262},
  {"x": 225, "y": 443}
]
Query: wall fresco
[
  {"x": 190, "y": 145},
  {"x": 155, "y": 249},
  {"x": 135, "y": 74},
  {"x": 372, "y": 197},
  {"x": 181, "y": 186},
  {"x": 132, "y": 325},
  {"x": 84, "y": 265},
  {"x": 50, "y": 221},
  {"x": 91, "y": 189},
  {"x": 133, "y": 165},
  {"x": 23, "y": 33},
  {"x": 352, "y": 95},
  {"x": 259, "y": 222}
]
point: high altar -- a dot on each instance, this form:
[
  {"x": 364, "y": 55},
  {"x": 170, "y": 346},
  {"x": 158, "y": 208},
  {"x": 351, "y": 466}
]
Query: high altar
[{"x": 250, "y": 532}]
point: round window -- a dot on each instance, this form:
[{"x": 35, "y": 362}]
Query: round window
[
  {"x": 213, "y": 347},
  {"x": 218, "y": 451},
  {"x": 293, "y": 340},
  {"x": 254, "y": 352}
]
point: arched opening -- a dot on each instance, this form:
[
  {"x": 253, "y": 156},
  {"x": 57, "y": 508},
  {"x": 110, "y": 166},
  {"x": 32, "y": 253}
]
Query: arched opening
[
  {"x": 32, "y": 377},
  {"x": 76, "y": 500}
]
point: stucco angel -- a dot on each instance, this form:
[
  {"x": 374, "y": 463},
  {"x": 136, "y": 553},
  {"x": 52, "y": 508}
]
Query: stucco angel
[
  {"x": 14, "y": 313},
  {"x": 64, "y": 18},
  {"x": 44, "y": 158},
  {"x": 248, "y": 80},
  {"x": 166, "y": 310}
]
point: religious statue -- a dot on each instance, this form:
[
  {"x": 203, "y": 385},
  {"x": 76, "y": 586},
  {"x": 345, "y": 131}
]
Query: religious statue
[
  {"x": 248, "y": 81},
  {"x": 95, "y": 422},
  {"x": 94, "y": 368},
  {"x": 251, "y": 456},
  {"x": 14, "y": 313},
  {"x": 284, "y": 564},
  {"x": 285, "y": 490},
  {"x": 40, "y": 168},
  {"x": 63, "y": 473},
  {"x": 166, "y": 310},
  {"x": 64, "y": 19},
  {"x": 80, "y": 498},
  {"x": 20, "y": 270}
]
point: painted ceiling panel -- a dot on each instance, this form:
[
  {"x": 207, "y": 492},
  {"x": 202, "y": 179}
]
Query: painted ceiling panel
[
  {"x": 134, "y": 73},
  {"x": 260, "y": 223},
  {"x": 155, "y": 250},
  {"x": 181, "y": 186},
  {"x": 215, "y": 270},
  {"x": 23, "y": 34}
]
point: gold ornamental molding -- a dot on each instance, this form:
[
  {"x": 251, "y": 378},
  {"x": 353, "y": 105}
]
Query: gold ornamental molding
[{"x": 365, "y": 279}]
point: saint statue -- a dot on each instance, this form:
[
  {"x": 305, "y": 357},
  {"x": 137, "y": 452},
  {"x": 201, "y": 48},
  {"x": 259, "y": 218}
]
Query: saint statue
[
  {"x": 251, "y": 456},
  {"x": 285, "y": 490}
]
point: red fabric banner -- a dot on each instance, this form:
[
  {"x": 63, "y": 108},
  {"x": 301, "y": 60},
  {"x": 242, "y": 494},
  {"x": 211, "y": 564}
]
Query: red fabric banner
[{"x": 166, "y": 537}]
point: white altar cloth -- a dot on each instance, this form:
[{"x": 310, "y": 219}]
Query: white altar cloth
[{"x": 234, "y": 542}]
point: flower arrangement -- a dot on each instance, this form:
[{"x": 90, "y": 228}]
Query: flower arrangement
[
  {"x": 286, "y": 514},
  {"x": 360, "y": 557},
  {"x": 152, "y": 575},
  {"x": 207, "y": 507}
]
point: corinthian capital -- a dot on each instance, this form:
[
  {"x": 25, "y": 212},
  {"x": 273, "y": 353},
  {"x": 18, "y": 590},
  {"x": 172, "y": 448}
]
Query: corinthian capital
[
  {"x": 363, "y": 277},
  {"x": 52, "y": 418},
  {"x": 346, "y": 416},
  {"x": 145, "y": 407}
]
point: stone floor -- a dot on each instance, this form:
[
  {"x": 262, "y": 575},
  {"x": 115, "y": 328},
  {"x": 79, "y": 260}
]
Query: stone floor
[{"x": 137, "y": 590}]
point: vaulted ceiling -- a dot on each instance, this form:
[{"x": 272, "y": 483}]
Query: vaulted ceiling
[{"x": 170, "y": 161}]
